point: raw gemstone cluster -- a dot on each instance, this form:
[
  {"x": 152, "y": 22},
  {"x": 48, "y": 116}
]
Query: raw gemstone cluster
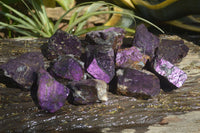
[
  {"x": 89, "y": 91},
  {"x": 51, "y": 94},
  {"x": 172, "y": 73},
  {"x": 89, "y": 71},
  {"x": 62, "y": 43},
  {"x": 131, "y": 57},
  {"x": 100, "y": 62},
  {"x": 111, "y": 36},
  {"x": 145, "y": 40},
  {"x": 132, "y": 82},
  {"x": 67, "y": 67},
  {"x": 172, "y": 51},
  {"x": 23, "y": 68}
]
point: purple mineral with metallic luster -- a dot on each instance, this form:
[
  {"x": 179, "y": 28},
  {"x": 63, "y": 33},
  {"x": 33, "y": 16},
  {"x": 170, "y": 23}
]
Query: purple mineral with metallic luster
[
  {"x": 131, "y": 57},
  {"x": 67, "y": 67},
  {"x": 131, "y": 82},
  {"x": 23, "y": 68},
  {"x": 89, "y": 91},
  {"x": 172, "y": 50},
  {"x": 112, "y": 36},
  {"x": 145, "y": 40},
  {"x": 172, "y": 73},
  {"x": 62, "y": 43},
  {"x": 51, "y": 94},
  {"x": 100, "y": 62},
  {"x": 96, "y": 71}
]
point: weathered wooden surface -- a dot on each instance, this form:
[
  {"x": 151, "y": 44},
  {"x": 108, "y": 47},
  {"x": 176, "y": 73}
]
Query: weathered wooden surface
[
  {"x": 185, "y": 123},
  {"x": 19, "y": 114}
]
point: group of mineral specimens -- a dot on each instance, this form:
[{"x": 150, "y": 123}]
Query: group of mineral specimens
[{"x": 82, "y": 73}]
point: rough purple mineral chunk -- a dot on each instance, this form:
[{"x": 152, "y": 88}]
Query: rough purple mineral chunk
[
  {"x": 172, "y": 73},
  {"x": 112, "y": 36},
  {"x": 100, "y": 62},
  {"x": 145, "y": 40},
  {"x": 131, "y": 57},
  {"x": 22, "y": 68},
  {"x": 67, "y": 67},
  {"x": 51, "y": 94},
  {"x": 131, "y": 82},
  {"x": 172, "y": 50},
  {"x": 89, "y": 91},
  {"x": 62, "y": 43}
]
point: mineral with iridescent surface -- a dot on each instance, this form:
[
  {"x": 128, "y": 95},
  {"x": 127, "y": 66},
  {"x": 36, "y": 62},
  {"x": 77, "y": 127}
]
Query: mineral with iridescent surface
[
  {"x": 145, "y": 40},
  {"x": 23, "y": 68},
  {"x": 100, "y": 62},
  {"x": 172, "y": 50},
  {"x": 89, "y": 91},
  {"x": 112, "y": 36},
  {"x": 62, "y": 43},
  {"x": 67, "y": 67},
  {"x": 172, "y": 73},
  {"x": 131, "y": 58},
  {"x": 131, "y": 82},
  {"x": 51, "y": 94}
]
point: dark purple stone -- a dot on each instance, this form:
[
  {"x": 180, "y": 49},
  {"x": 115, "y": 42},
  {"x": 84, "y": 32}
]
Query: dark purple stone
[
  {"x": 172, "y": 50},
  {"x": 100, "y": 62},
  {"x": 62, "y": 43},
  {"x": 145, "y": 40},
  {"x": 89, "y": 91},
  {"x": 131, "y": 58},
  {"x": 131, "y": 82},
  {"x": 170, "y": 72},
  {"x": 112, "y": 36},
  {"x": 67, "y": 67},
  {"x": 23, "y": 68},
  {"x": 51, "y": 94}
]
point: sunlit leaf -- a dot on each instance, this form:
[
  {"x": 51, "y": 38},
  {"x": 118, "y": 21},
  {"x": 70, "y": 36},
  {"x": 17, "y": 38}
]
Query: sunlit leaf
[{"x": 66, "y": 4}]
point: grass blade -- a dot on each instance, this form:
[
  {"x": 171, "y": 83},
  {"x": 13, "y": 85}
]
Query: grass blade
[
  {"x": 39, "y": 24},
  {"x": 40, "y": 11},
  {"x": 19, "y": 20},
  {"x": 26, "y": 33},
  {"x": 36, "y": 31},
  {"x": 68, "y": 11},
  {"x": 93, "y": 7},
  {"x": 79, "y": 20},
  {"x": 22, "y": 16}
]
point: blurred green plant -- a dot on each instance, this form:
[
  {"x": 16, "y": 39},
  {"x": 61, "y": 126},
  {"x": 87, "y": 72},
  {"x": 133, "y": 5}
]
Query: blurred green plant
[
  {"x": 39, "y": 25},
  {"x": 66, "y": 4}
]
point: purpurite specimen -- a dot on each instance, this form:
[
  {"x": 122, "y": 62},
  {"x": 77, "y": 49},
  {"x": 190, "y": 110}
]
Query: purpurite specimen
[
  {"x": 102, "y": 55},
  {"x": 131, "y": 82},
  {"x": 172, "y": 73},
  {"x": 100, "y": 62},
  {"x": 67, "y": 67},
  {"x": 145, "y": 40},
  {"x": 89, "y": 91},
  {"x": 172, "y": 50},
  {"x": 131, "y": 58},
  {"x": 112, "y": 36},
  {"x": 51, "y": 94},
  {"x": 62, "y": 43},
  {"x": 23, "y": 68}
]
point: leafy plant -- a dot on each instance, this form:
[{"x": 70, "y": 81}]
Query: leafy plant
[
  {"x": 36, "y": 25},
  {"x": 39, "y": 25}
]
